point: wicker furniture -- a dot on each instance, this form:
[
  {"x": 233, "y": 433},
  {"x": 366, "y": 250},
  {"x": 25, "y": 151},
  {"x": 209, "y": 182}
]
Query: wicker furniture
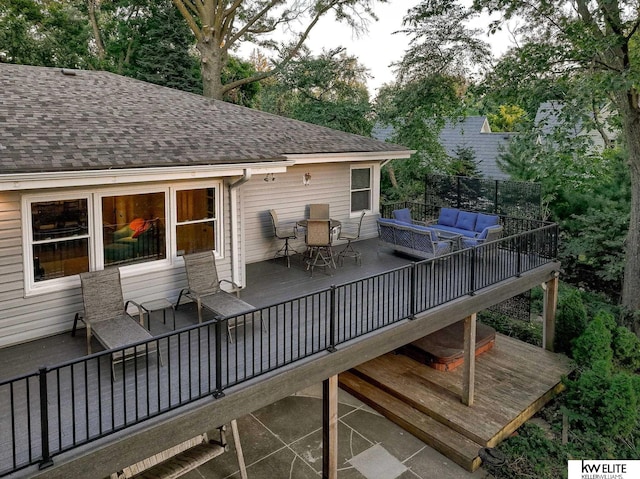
[{"x": 413, "y": 240}]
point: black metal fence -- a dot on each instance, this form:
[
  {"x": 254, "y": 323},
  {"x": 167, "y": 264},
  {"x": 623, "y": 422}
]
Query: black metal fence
[
  {"x": 502, "y": 197},
  {"x": 69, "y": 405}
]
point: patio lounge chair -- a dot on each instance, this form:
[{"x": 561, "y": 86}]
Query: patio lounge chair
[
  {"x": 204, "y": 289},
  {"x": 106, "y": 317}
]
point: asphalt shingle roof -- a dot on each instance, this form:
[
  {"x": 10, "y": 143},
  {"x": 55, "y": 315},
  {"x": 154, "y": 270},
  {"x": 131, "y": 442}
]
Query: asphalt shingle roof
[{"x": 96, "y": 120}]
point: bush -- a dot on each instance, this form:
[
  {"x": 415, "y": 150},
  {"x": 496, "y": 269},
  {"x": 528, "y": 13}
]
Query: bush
[
  {"x": 595, "y": 343},
  {"x": 571, "y": 320},
  {"x": 626, "y": 349}
]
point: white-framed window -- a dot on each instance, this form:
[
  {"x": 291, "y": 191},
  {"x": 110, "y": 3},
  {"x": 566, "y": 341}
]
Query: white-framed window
[
  {"x": 65, "y": 234},
  {"x": 197, "y": 220},
  {"x": 361, "y": 188}
]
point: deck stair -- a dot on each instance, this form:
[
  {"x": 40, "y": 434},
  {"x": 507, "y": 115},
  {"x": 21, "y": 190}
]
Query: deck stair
[{"x": 513, "y": 381}]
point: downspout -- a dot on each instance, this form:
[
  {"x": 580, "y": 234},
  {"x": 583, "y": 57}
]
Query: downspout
[{"x": 236, "y": 247}]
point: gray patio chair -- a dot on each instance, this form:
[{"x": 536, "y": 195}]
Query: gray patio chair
[
  {"x": 319, "y": 244},
  {"x": 490, "y": 233},
  {"x": 204, "y": 289},
  {"x": 283, "y": 232},
  {"x": 319, "y": 211},
  {"x": 106, "y": 317},
  {"x": 350, "y": 232}
]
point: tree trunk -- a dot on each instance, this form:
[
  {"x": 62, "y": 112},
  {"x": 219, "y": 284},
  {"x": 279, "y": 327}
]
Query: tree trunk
[
  {"x": 211, "y": 64},
  {"x": 628, "y": 107},
  {"x": 96, "y": 29}
]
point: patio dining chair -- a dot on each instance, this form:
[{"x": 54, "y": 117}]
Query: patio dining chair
[
  {"x": 319, "y": 211},
  {"x": 204, "y": 289},
  {"x": 106, "y": 316},
  {"x": 319, "y": 244},
  {"x": 283, "y": 232},
  {"x": 350, "y": 232}
]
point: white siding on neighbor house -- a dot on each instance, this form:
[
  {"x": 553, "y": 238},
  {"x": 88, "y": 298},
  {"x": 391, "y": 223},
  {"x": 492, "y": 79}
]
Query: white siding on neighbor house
[
  {"x": 330, "y": 183},
  {"x": 39, "y": 315}
]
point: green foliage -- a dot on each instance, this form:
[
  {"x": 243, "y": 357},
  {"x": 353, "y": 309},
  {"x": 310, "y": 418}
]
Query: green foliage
[
  {"x": 571, "y": 320},
  {"x": 246, "y": 94},
  {"x": 626, "y": 348},
  {"x": 527, "y": 331},
  {"x": 464, "y": 162},
  {"x": 328, "y": 89},
  {"x": 508, "y": 118},
  {"x": 53, "y": 34},
  {"x": 594, "y": 344},
  {"x": 531, "y": 454}
]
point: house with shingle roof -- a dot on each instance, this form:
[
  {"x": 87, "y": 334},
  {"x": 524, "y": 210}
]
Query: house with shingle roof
[
  {"x": 472, "y": 133},
  {"x": 97, "y": 170}
]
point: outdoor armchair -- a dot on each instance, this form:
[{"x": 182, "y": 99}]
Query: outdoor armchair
[
  {"x": 204, "y": 289},
  {"x": 106, "y": 317},
  {"x": 284, "y": 232},
  {"x": 350, "y": 232},
  {"x": 491, "y": 233},
  {"x": 319, "y": 244}
]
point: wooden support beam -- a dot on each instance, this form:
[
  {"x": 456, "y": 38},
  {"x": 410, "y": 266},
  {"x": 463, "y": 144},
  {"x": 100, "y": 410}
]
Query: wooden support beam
[
  {"x": 549, "y": 308},
  {"x": 330, "y": 428},
  {"x": 239, "y": 453},
  {"x": 468, "y": 375}
]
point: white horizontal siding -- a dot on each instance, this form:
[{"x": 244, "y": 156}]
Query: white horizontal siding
[
  {"x": 330, "y": 183},
  {"x": 26, "y": 318}
]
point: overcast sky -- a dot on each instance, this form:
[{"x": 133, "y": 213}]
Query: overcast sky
[{"x": 380, "y": 46}]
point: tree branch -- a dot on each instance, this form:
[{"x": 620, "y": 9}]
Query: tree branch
[
  {"x": 184, "y": 10},
  {"x": 251, "y": 22}
]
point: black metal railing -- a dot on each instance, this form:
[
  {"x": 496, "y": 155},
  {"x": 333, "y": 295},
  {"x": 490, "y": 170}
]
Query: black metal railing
[{"x": 63, "y": 407}]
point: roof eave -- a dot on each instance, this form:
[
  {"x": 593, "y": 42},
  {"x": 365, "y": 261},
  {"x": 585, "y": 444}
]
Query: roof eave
[{"x": 122, "y": 176}]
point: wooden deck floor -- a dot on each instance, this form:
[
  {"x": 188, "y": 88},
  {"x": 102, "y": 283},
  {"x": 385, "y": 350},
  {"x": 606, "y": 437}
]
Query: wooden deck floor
[{"x": 513, "y": 381}]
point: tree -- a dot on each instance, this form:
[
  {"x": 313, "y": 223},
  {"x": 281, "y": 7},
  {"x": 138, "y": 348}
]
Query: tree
[
  {"x": 53, "y": 34},
  {"x": 328, "y": 89},
  {"x": 592, "y": 41},
  {"x": 430, "y": 88},
  {"x": 220, "y": 25}
]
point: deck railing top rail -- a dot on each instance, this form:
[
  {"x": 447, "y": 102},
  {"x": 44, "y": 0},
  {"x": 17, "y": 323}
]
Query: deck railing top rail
[{"x": 74, "y": 403}]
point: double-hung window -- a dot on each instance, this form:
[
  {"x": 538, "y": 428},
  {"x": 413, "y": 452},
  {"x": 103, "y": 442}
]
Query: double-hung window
[
  {"x": 361, "y": 188},
  {"x": 67, "y": 234}
]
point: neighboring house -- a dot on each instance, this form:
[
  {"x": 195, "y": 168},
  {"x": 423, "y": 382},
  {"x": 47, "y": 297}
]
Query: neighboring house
[
  {"x": 98, "y": 169},
  {"x": 548, "y": 119},
  {"x": 474, "y": 133}
]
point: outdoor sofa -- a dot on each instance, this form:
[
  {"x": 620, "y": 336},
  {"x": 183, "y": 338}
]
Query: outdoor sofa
[{"x": 414, "y": 240}]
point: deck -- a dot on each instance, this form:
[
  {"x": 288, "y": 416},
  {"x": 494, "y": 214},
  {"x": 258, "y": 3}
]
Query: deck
[
  {"x": 513, "y": 381},
  {"x": 208, "y": 381}
]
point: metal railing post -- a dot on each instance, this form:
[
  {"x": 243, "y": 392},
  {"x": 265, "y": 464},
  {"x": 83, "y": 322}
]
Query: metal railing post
[
  {"x": 472, "y": 272},
  {"x": 331, "y": 347},
  {"x": 44, "y": 420},
  {"x": 413, "y": 293},
  {"x": 218, "y": 329},
  {"x": 518, "y": 256}
]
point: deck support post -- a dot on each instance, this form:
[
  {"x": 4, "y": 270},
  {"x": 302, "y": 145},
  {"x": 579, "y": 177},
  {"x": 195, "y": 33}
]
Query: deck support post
[
  {"x": 239, "y": 453},
  {"x": 468, "y": 375},
  {"x": 330, "y": 428},
  {"x": 549, "y": 308}
]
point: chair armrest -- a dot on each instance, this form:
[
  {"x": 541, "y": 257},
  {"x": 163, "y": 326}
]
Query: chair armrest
[
  {"x": 140, "y": 312},
  {"x": 235, "y": 287}
]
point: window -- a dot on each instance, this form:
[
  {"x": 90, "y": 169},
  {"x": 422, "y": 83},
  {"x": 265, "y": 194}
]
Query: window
[
  {"x": 133, "y": 228},
  {"x": 197, "y": 222},
  {"x": 360, "y": 189},
  {"x": 66, "y": 235},
  {"x": 60, "y": 238}
]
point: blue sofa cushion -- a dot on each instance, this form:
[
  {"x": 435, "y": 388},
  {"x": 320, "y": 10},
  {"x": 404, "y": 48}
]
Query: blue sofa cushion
[
  {"x": 448, "y": 216},
  {"x": 387, "y": 221},
  {"x": 484, "y": 221},
  {"x": 466, "y": 220},
  {"x": 403, "y": 215},
  {"x": 467, "y": 233}
]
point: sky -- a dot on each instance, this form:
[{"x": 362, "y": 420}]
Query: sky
[{"x": 380, "y": 46}]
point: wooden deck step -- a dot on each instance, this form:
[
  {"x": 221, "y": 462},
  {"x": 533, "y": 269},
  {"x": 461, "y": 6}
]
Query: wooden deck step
[{"x": 452, "y": 444}]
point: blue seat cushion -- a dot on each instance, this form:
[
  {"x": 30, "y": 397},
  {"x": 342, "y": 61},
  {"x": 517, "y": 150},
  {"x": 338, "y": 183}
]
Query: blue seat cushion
[
  {"x": 387, "y": 221},
  {"x": 466, "y": 220},
  {"x": 448, "y": 216},
  {"x": 403, "y": 215},
  {"x": 485, "y": 221}
]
